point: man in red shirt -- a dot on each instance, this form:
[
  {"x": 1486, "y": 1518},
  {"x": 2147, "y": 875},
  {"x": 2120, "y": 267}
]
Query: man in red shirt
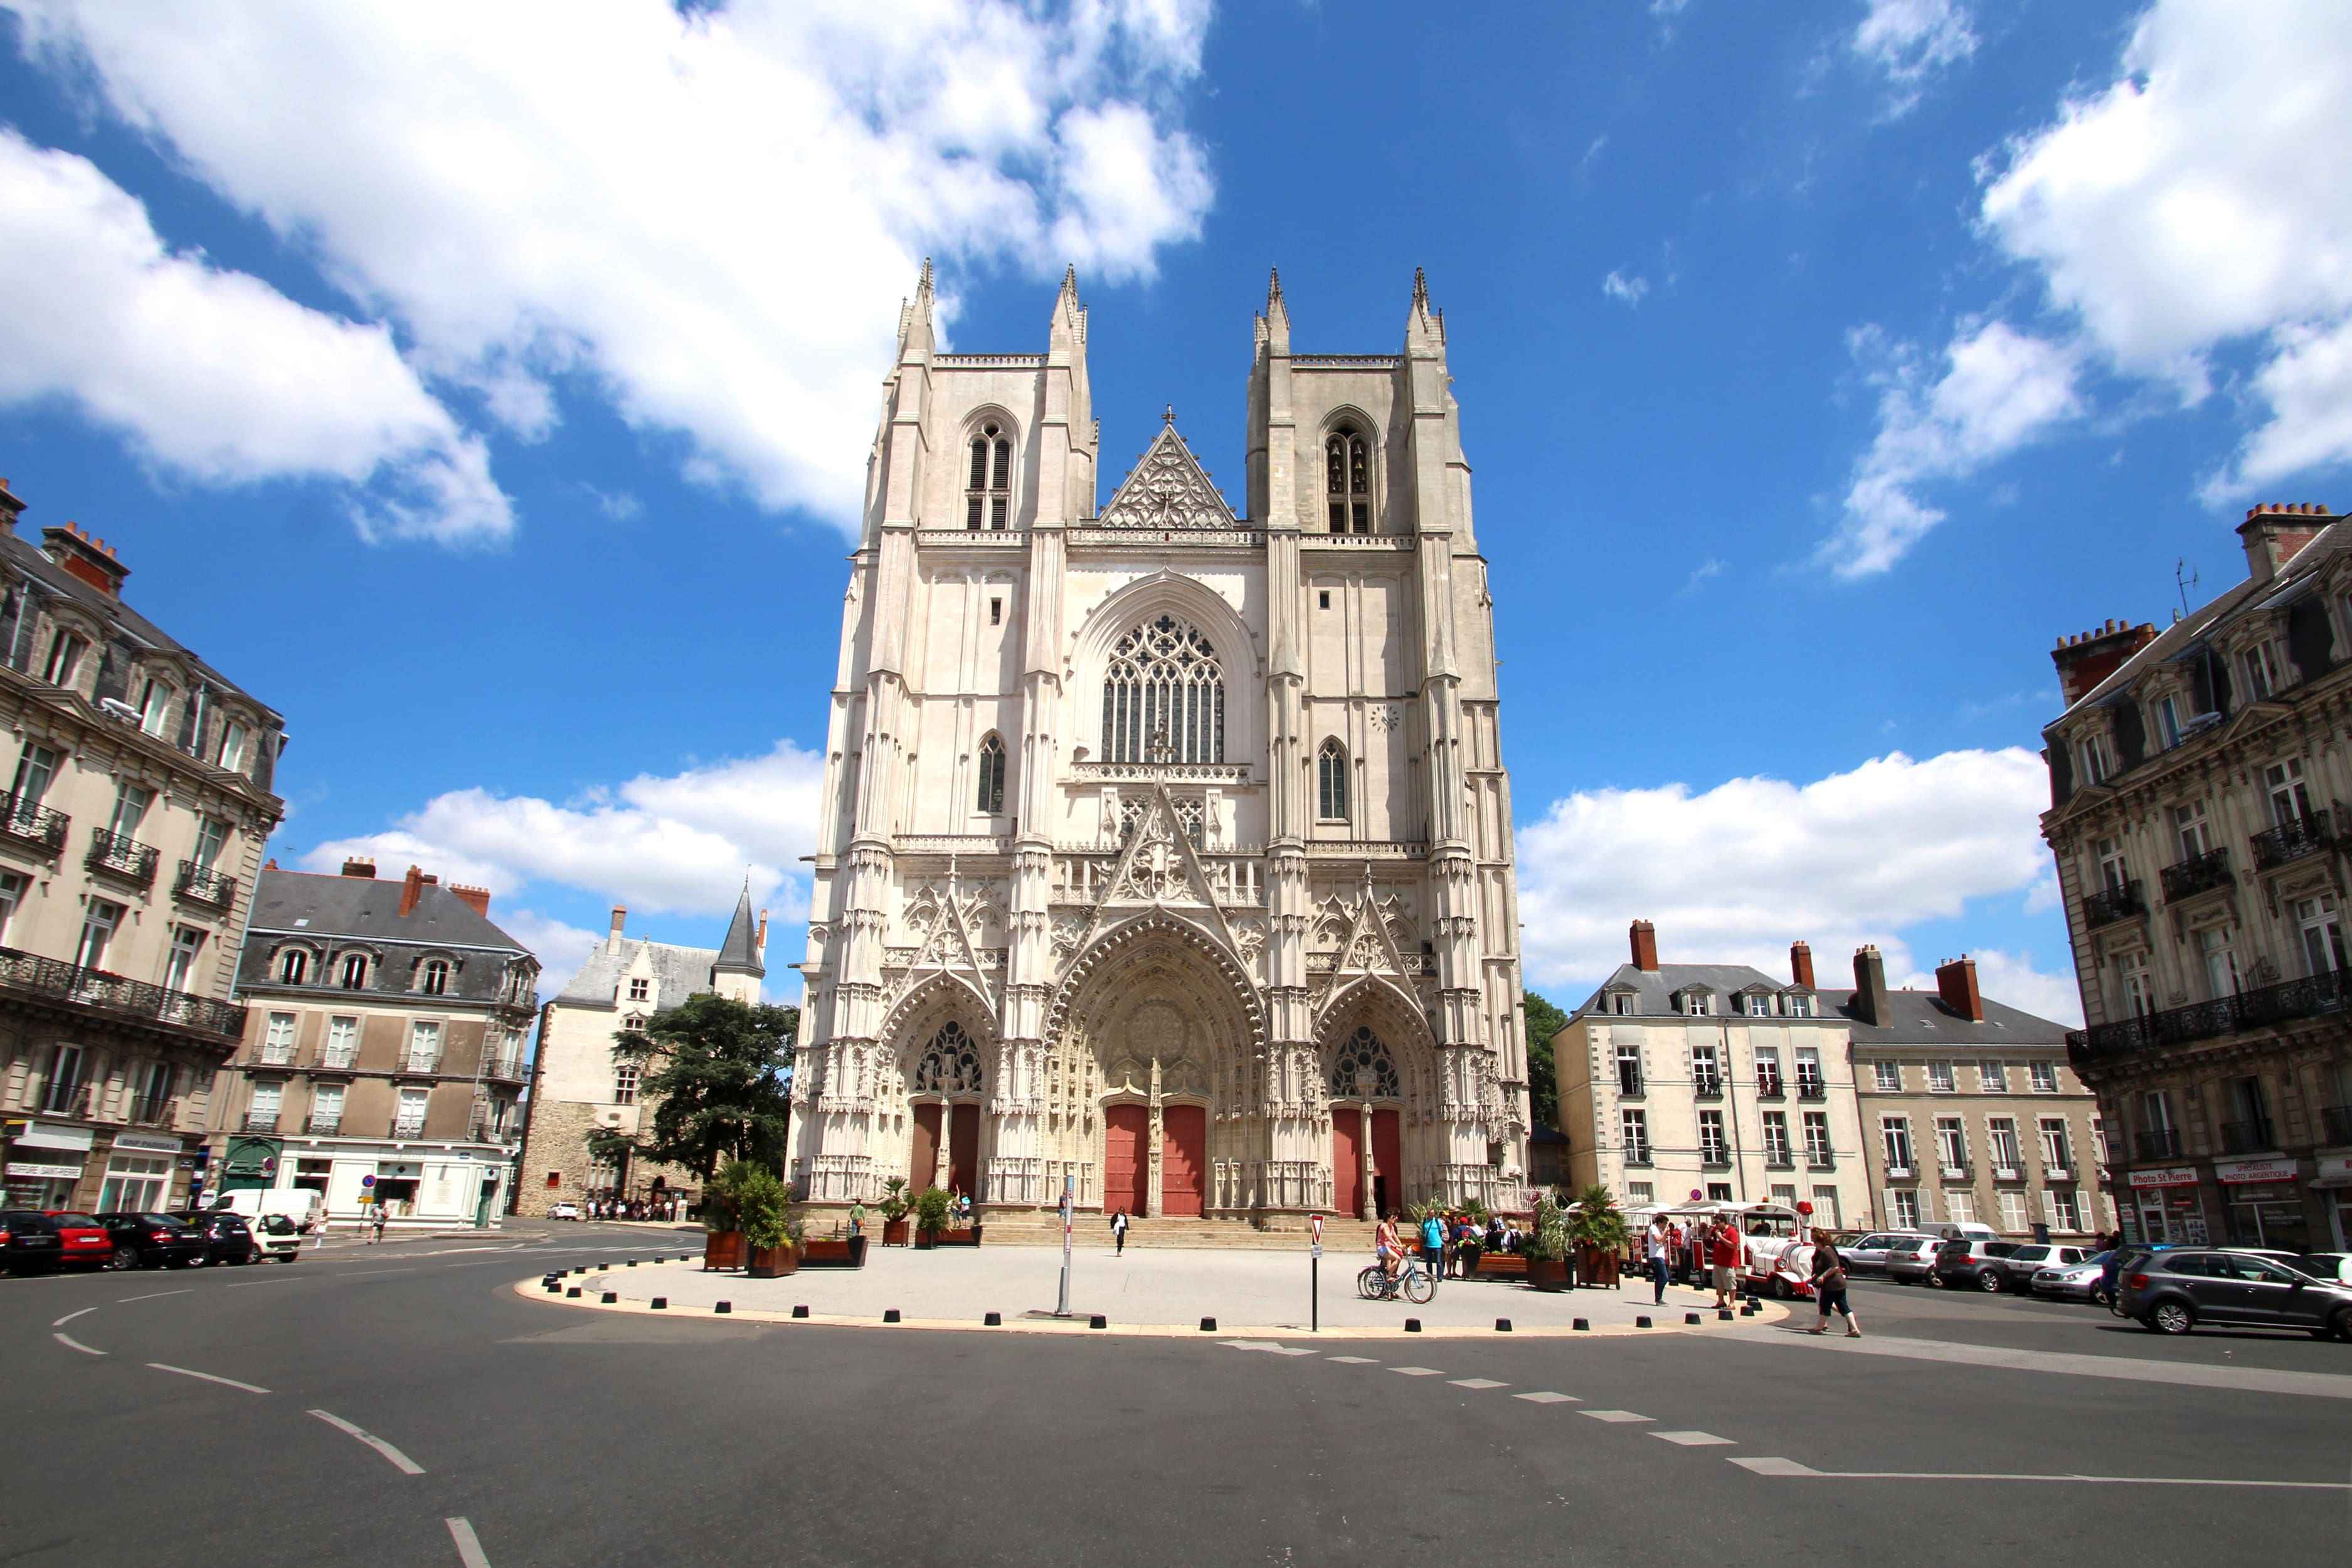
[{"x": 1725, "y": 1246}]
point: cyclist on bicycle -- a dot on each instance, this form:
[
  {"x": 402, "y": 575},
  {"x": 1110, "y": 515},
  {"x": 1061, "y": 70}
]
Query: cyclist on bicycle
[{"x": 1390, "y": 1247}]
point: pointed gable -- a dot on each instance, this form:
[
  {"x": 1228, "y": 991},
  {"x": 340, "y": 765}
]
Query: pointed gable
[{"x": 1168, "y": 489}]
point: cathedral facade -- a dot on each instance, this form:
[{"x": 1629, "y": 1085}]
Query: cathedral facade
[{"x": 1166, "y": 852}]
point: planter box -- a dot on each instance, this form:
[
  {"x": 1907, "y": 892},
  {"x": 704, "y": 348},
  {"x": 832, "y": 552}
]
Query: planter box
[
  {"x": 1596, "y": 1265},
  {"x": 968, "y": 1236},
  {"x": 849, "y": 1252},
  {"x": 894, "y": 1232},
  {"x": 1546, "y": 1273},
  {"x": 773, "y": 1262},
  {"x": 722, "y": 1249},
  {"x": 1500, "y": 1266}
]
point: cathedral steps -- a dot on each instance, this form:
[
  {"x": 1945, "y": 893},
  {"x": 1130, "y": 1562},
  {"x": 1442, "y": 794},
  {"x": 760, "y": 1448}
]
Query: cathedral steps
[{"x": 1024, "y": 1228}]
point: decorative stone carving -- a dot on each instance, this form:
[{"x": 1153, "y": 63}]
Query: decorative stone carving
[{"x": 1168, "y": 489}]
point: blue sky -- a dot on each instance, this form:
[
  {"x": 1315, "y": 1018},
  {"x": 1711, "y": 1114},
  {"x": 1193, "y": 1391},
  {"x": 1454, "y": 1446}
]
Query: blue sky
[{"x": 492, "y": 396}]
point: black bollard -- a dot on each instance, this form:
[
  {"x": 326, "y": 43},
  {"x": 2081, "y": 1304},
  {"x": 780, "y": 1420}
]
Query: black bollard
[
  {"x": 661, "y": 1303},
  {"x": 1412, "y": 1325},
  {"x": 1208, "y": 1325},
  {"x": 994, "y": 1321},
  {"x": 1582, "y": 1325},
  {"x": 1641, "y": 1322},
  {"x": 573, "y": 1292},
  {"x": 1502, "y": 1325},
  {"x": 890, "y": 1314},
  {"x": 1691, "y": 1318},
  {"x": 1098, "y": 1321},
  {"x": 724, "y": 1307},
  {"x": 611, "y": 1297}
]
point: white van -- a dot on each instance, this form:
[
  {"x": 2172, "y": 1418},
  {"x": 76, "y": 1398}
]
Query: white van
[
  {"x": 1964, "y": 1230},
  {"x": 305, "y": 1207}
]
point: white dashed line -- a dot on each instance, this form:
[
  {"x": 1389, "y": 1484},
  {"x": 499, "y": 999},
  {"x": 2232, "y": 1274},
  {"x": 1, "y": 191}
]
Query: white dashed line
[
  {"x": 406, "y": 1466},
  {"x": 208, "y": 1377},
  {"x": 69, "y": 1317},
  {"x": 72, "y": 1343},
  {"x": 1545, "y": 1396},
  {"x": 156, "y": 1295},
  {"x": 1691, "y": 1439},
  {"x": 1417, "y": 1372},
  {"x": 1791, "y": 1469},
  {"x": 1476, "y": 1383},
  {"x": 1613, "y": 1415},
  {"x": 1353, "y": 1360},
  {"x": 469, "y": 1545}
]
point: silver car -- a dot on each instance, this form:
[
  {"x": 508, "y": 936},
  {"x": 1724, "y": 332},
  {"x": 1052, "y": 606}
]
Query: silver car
[
  {"x": 2018, "y": 1269},
  {"x": 1911, "y": 1259},
  {"x": 2172, "y": 1292},
  {"x": 2084, "y": 1281},
  {"x": 1867, "y": 1254}
]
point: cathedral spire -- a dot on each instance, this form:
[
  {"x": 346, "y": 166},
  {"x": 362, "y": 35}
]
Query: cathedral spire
[
  {"x": 1278, "y": 314},
  {"x": 740, "y": 952},
  {"x": 915, "y": 316},
  {"x": 1067, "y": 328},
  {"x": 1423, "y": 327}
]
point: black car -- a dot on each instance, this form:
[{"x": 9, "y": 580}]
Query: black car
[
  {"x": 28, "y": 1241},
  {"x": 228, "y": 1239},
  {"x": 145, "y": 1240}
]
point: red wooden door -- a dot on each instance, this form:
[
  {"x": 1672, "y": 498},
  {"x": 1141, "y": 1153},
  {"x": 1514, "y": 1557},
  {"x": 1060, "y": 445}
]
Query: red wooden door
[
  {"x": 1183, "y": 1159},
  {"x": 1388, "y": 1162},
  {"x": 1348, "y": 1160},
  {"x": 963, "y": 1150},
  {"x": 1124, "y": 1162},
  {"x": 922, "y": 1167}
]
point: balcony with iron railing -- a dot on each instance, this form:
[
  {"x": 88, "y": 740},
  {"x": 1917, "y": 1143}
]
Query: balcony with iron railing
[
  {"x": 2251, "y": 1136},
  {"x": 2119, "y": 901},
  {"x": 322, "y": 1126},
  {"x": 1820, "y": 1160},
  {"x": 54, "y": 979},
  {"x": 2198, "y": 874},
  {"x": 339, "y": 1058},
  {"x": 2291, "y": 840},
  {"x": 1629, "y": 1085},
  {"x": 203, "y": 885},
  {"x": 1715, "y": 1159},
  {"x": 2335, "y": 1123},
  {"x": 408, "y": 1126},
  {"x": 70, "y": 1097},
  {"x": 2159, "y": 1143},
  {"x": 260, "y": 1121},
  {"x": 125, "y": 859},
  {"x": 1768, "y": 1086},
  {"x": 1956, "y": 1170},
  {"x": 29, "y": 824},
  {"x": 1811, "y": 1089},
  {"x": 2313, "y": 997},
  {"x": 155, "y": 1111},
  {"x": 1638, "y": 1158},
  {"x": 1706, "y": 1086},
  {"x": 1778, "y": 1159},
  {"x": 421, "y": 1062}
]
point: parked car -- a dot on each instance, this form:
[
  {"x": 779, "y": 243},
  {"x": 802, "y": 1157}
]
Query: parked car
[
  {"x": 278, "y": 1237},
  {"x": 2018, "y": 1269},
  {"x": 1911, "y": 1259},
  {"x": 145, "y": 1240},
  {"x": 28, "y": 1241},
  {"x": 82, "y": 1242},
  {"x": 2084, "y": 1281},
  {"x": 1972, "y": 1264},
  {"x": 227, "y": 1238},
  {"x": 2172, "y": 1292},
  {"x": 2336, "y": 1266},
  {"x": 1866, "y": 1254},
  {"x": 564, "y": 1211},
  {"x": 305, "y": 1206}
]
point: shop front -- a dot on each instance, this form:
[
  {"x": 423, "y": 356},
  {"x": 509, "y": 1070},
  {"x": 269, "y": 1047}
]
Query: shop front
[
  {"x": 2164, "y": 1204},
  {"x": 2331, "y": 1188},
  {"x": 2263, "y": 1203},
  {"x": 46, "y": 1162},
  {"x": 140, "y": 1170}
]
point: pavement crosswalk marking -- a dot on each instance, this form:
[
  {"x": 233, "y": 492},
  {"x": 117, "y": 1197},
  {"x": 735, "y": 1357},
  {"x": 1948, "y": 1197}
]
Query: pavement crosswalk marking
[
  {"x": 1791, "y": 1469},
  {"x": 1545, "y": 1396},
  {"x": 1476, "y": 1383},
  {"x": 1417, "y": 1370},
  {"x": 1691, "y": 1439},
  {"x": 1613, "y": 1415},
  {"x": 1354, "y": 1360}
]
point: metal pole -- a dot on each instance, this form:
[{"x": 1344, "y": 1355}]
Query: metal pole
[
  {"x": 1314, "y": 1291},
  {"x": 1061, "y": 1309}
]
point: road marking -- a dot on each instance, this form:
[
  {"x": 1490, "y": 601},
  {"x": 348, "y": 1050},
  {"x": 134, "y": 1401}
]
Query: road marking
[
  {"x": 2249, "y": 1379},
  {"x": 402, "y": 1462},
  {"x": 157, "y": 1296},
  {"x": 1691, "y": 1439},
  {"x": 1613, "y": 1415},
  {"x": 274, "y": 1280},
  {"x": 208, "y": 1377},
  {"x": 69, "y": 1317},
  {"x": 1417, "y": 1372},
  {"x": 364, "y": 1273},
  {"x": 1790, "y": 1469},
  {"x": 1476, "y": 1383},
  {"x": 1269, "y": 1347},
  {"x": 72, "y": 1343},
  {"x": 1354, "y": 1360},
  {"x": 469, "y": 1545},
  {"x": 1545, "y": 1396}
]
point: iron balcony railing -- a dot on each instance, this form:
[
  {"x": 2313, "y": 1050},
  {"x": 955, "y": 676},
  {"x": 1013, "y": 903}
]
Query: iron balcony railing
[
  {"x": 2291, "y": 840},
  {"x": 1778, "y": 1159},
  {"x": 30, "y": 823},
  {"x": 155, "y": 1111},
  {"x": 2336, "y": 1120},
  {"x": 117, "y": 994},
  {"x": 1706, "y": 1086},
  {"x": 2108, "y": 905},
  {"x": 203, "y": 885},
  {"x": 2159, "y": 1143},
  {"x": 1639, "y": 1157},
  {"x": 1628, "y": 1084},
  {"x": 1768, "y": 1086},
  {"x": 119, "y": 857},
  {"x": 1715, "y": 1159},
  {"x": 406, "y": 1128},
  {"x": 1820, "y": 1160},
  {"x": 322, "y": 1126},
  {"x": 2198, "y": 874},
  {"x": 1956, "y": 1170},
  {"x": 2247, "y": 1137},
  {"x": 1811, "y": 1089},
  {"x": 2313, "y": 997},
  {"x": 255, "y": 1122},
  {"x": 68, "y": 1099},
  {"x": 339, "y": 1058}
]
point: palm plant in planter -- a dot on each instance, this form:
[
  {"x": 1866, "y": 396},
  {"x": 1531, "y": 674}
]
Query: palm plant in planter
[
  {"x": 931, "y": 1207},
  {"x": 1546, "y": 1248},
  {"x": 723, "y": 1218},
  {"x": 893, "y": 1205},
  {"x": 1598, "y": 1231},
  {"x": 772, "y": 1230}
]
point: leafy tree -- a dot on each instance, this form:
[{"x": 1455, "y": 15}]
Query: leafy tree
[
  {"x": 716, "y": 1073},
  {"x": 1544, "y": 1020}
]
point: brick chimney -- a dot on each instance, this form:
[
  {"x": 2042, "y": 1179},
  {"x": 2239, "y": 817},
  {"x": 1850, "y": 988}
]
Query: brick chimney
[
  {"x": 620, "y": 912},
  {"x": 2274, "y": 532},
  {"x": 763, "y": 933},
  {"x": 91, "y": 560},
  {"x": 1646, "y": 947},
  {"x": 1801, "y": 966},
  {"x": 1871, "y": 1002},
  {"x": 10, "y": 505},
  {"x": 356, "y": 867},
  {"x": 411, "y": 889},
  {"x": 476, "y": 899},
  {"x": 1956, "y": 982},
  {"x": 2085, "y": 662}
]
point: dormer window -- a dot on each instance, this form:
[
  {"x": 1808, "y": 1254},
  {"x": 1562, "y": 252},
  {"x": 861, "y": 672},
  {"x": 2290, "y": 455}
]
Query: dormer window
[
  {"x": 1801, "y": 1006},
  {"x": 293, "y": 965},
  {"x": 2167, "y": 720},
  {"x": 435, "y": 980},
  {"x": 1759, "y": 1005},
  {"x": 2265, "y": 671},
  {"x": 65, "y": 658},
  {"x": 2098, "y": 761},
  {"x": 1697, "y": 1004},
  {"x": 355, "y": 972},
  {"x": 640, "y": 989},
  {"x": 1619, "y": 1003},
  {"x": 1347, "y": 481},
  {"x": 231, "y": 755},
  {"x": 988, "y": 500},
  {"x": 155, "y": 704}
]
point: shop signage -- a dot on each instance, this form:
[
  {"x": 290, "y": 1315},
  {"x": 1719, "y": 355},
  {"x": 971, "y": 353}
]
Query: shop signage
[
  {"x": 146, "y": 1142},
  {"x": 62, "y": 1172},
  {"x": 2272, "y": 1170},
  {"x": 2169, "y": 1176},
  {"x": 50, "y": 1136},
  {"x": 2335, "y": 1171}
]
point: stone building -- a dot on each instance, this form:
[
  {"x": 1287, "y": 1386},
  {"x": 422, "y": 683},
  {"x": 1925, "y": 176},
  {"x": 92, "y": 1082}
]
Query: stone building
[
  {"x": 578, "y": 1089},
  {"x": 2197, "y": 782},
  {"x": 139, "y": 800},
  {"x": 383, "y": 1047},
  {"x": 1164, "y": 851}
]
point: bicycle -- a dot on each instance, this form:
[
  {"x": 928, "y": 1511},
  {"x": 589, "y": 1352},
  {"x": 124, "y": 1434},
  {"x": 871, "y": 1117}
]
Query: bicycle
[{"x": 1412, "y": 1279}]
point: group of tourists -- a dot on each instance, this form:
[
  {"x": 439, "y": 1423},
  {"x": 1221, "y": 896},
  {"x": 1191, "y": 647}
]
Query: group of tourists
[
  {"x": 1717, "y": 1254},
  {"x": 1449, "y": 1244},
  {"x": 665, "y": 1207}
]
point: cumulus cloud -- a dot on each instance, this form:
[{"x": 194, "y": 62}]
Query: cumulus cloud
[
  {"x": 561, "y": 948},
  {"x": 2181, "y": 210},
  {"x": 2011, "y": 978},
  {"x": 1624, "y": 289},
  {"x": 1736, "y": 873},
  {"x": 213, "y": 376},
  {"x": 1907, "y": 42},
  {"x": 706, "y": 215},
  {"x": 1994, "y": 390},
  {"x": 664, "y": 843}
]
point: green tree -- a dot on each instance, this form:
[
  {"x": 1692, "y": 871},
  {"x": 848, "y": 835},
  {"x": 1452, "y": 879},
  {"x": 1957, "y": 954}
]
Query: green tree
[
  {"x": 1544, "y": 1020},
  {"x": 716, "y": 1073}
]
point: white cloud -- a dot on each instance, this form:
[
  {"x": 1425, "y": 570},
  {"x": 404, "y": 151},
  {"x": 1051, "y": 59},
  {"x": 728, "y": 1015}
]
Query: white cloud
[
  {"x": 1995, "y": 390},
  {"x": 561, "y": 948},
  {"x": 213, "y": 375},
  {"x": 2187, "y": 207},
  {"x": 1737, "y": 873},
  {"x": 1617, "y": 286},
  {"x": 2011, "y": 978},
  {"x": 1592, "y": 152},
  {"x": 619, "y": 505},
  {"x": 679, "y": 842},
  {"x": 1909, "y": 41},
  {"x": 1705, "y": 572},
  {"x": 708, "y": 215}
]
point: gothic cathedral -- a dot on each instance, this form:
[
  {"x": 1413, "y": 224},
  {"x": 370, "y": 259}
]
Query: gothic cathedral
[{"x": 1163, "y": 852}]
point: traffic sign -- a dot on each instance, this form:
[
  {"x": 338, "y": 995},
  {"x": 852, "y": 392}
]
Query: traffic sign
[
  {"x": 367, "y": 1181},
  {"x": 1317, "y": 1251},
  {"x": 1315, "y": 1233}
]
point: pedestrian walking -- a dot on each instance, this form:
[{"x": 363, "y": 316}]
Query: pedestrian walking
[
  {"x": 1829, "y": 1287},
  {"x": 1725, "y": 1250},
  {"x": 1119, "y": 1232},
  {"x": 857, "y": 1219},
  {"x": 1662, "y": 1242},
  {"x": 377, "y": 1220},
  {"x": 1432, "y": 1245}
]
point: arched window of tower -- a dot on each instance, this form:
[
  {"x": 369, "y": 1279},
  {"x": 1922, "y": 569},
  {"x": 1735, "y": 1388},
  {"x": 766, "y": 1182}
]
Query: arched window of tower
[
  {"x": 1347, "y": 481},
  {"x": 1331, "y": 782},
  {"x": 1164, "y": 696},
  {"x": 992, "y": 777},
  {"x": 987, "y": 500}
]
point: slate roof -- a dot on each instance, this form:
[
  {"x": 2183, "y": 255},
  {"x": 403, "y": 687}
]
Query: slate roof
[
  {"x": 679, "y": 972},
  {"x": 1656, "y": 989},
  {"x": 740, "y": 952},
  {"x": 1922, "y": 1019},
  {"x": 369, "y": 907}
]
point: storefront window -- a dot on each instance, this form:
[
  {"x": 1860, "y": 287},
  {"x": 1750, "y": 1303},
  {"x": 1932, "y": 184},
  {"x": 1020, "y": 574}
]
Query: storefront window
[{"x": 135, "y": 1182}]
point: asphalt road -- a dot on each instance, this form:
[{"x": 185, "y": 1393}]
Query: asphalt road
[{"x": 375, "y": 1395}]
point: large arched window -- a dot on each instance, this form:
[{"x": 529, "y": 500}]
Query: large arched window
[
  {"x": 988, "y": 500},
  {"x": 1164, "y": 688},
  {"x": 1331, "y": 782},
  {"x": 992, "y": 777},
  {"x": 1347, "y": 481},
  {"x": 949, "y": 1064},
  {"x": 1363, "y": 1069}
]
